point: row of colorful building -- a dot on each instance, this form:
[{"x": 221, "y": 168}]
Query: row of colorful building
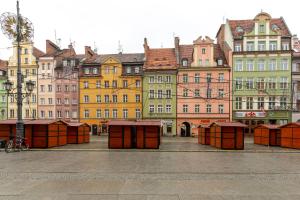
[{"x": 249, "y": 74}]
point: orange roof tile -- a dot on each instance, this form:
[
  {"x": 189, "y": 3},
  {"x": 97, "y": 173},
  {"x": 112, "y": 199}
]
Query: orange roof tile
[{"x": 162, "y": 58}]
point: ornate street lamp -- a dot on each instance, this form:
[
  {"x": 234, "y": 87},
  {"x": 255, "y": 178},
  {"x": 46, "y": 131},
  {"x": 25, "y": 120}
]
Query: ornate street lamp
[{"x": 8, "y": 86}]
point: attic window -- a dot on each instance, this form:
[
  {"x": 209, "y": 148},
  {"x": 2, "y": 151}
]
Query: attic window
[
  {"x": 184, "y": 62},
  {"x": 239, "y": 29},
  {"x": 275, "y": 27},
  {"x": 220, "y": 62}
]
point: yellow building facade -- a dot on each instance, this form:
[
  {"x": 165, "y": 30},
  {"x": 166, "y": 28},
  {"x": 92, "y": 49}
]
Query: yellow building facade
[{"x": 110, "y": 88}]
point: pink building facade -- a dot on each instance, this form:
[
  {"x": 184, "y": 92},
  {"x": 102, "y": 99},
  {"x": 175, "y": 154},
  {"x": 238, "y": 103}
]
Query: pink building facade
[{"x": 203, "y": 86}]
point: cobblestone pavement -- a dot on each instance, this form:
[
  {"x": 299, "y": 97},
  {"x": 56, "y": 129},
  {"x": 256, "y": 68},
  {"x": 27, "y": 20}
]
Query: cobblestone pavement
[{"x": 153, "y": 175}]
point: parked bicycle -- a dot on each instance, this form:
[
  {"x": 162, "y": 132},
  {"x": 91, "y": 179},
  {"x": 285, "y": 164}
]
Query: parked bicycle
[{"x": 16, "y": 144}]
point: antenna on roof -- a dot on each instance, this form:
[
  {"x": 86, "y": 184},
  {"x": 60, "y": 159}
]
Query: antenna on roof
[
  {"x": 120, "y": 47},
  {"x": 95, "y": 47},
  {"x": 57, "y": 40}
]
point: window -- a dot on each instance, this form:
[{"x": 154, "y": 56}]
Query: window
[
  {"x": 221, "y": 93},
  {"x": 159, "y": 108},
  {"x": 272, "y": 102},
  {"x": 168, "y": 79},
  {"x": 283, "y": 83},
  {"x": 43, "y": 66},
  {"x": 249, "y": 83},
  {"x": 86, "y": 113},
  {"x": 261, "y": 46},
  {"x": 128, "y": 70},
  {"x": 237, "y": 47},
  {"x": 250, "y": 46},
  {"x": 184, "y": 62},
  {"x": 200, "y": 62},
  {"x": 106, "y": 113},
  {"x": 42, "y": 101},
  {"x": 137, "y": 83},
  {"x": 208, "y": 77},
  {"x": 50, "y": 101},
  {"x": 107, "y": 70},
  {"x": 106, "y": 84},
  {"x": 261, "y": 28},
  {"x": 272, "y": 65},
  {"x": 136, "y": 70},
  {"x": 42, "y": 88},
  {"x": 74, "y": 88},
  {"x": 197, "y": 93},
  {"x": 159, "y": 94},
  {"x": 238, "y": 103},
  {"x": 12, "y": 72},
  {"x": 206, "y": 62},
  {"x": 221, "y": 77},
  {"x": 272, "y": 83},
  {"x": 261, "y": 65},
  {"x": 260, "y": 83},
  {"x": 284, "y": 64},
  {"x": 33, "y": 97},
  {"x": 159, "y": 79},
  {"x": 58, "y": 88},
  {"x": 67, "y": 114},
  {"x": 66, "y": 101},
  {"x": 50, "y": 113},
  {"x": 12, "y": 99},
  {"x": 203, "y": 50},
  {"x": 86, "y": 99},
  {"x": 151, "y": 79},
  {"x": 197, "y": 78},
  {"x": 115, "y": 113},
  {"x": 25, "y": 51},
  {"x": 26, "y": 60},
  {"x": 249, "y": 103},
  {"x": 238, "y": 66},
  {"x": 85, "y": 84},
  {"x": 65, "y": 63},
  {"x": 98, "y": 113},
  {"x": 114, "y": 84},
  {"x": 219, "y": 62},
  {"x": 208, "y": 93},
  {"x": 66, "y": 88},
  {"x": 185, "y": 92},
  {"x": 185, "y": 78},
  {"x": 151, "y": 108},
  {"x": 125, "y": 98},
  {"x": 260, "y": 103},
  {"x": 250, "y": 66},
  {"x": 151, "y": 94},
  {"x": 74, "y": 114},
  {"x": 115, "y": 98},
  {"x": 168, "y": 94},
  {"x": 283, "y": 103},
  {"x": 208, "y": 108},
  {"x": 221, "y": 108},
  {"x": 125, "y": 113},
  {"x": 137, "y": 113},
  {"x": 197, "y": 108},
  {"x": 27, "y": 113},
  {"x": 33, "y": 113},
  {"x": 125, "y": 83},
  {"x": 285, "y": 46},
  {"x": 168, "y": 108},
  {"x": 86, "y": 71},
  {"x": 273, "y": 46},
  {"x": 114, "y": 69},
  {"x": 11, "y": 113},
  {"x": 185, "y": 108},
  {"x": 98, "y": 84},
  {"x": 137, "y": 98},
  {"x": 95, "y": 70},
  {"x": 106, "y": 98},
  {"x": 98, "y": 98}
]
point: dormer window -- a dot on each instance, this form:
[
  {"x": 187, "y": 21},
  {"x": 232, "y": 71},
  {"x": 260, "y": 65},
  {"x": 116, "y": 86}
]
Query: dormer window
[
  {"x": 275, "y": 27},
  {"x": 203, "y": 50},
  {"x": 137, "y": 70},
  {"x": 65, "y": 63},
  {"x": 220, "y": 62},
  {"x": 239, "y": 29},
  {"x": 184, "y": 62},
  {"x": 86, "y": 70},
  {"x": 128, "y": 70},
  {"x": 261, "y": 28},
  {"x": 95, "y": 70}
]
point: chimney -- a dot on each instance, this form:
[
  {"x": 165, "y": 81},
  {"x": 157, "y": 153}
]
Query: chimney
[
  {"x": 176, "y": 43},
  {"x": 146, "y": 47},
  {"x": 88, "y": 52}
]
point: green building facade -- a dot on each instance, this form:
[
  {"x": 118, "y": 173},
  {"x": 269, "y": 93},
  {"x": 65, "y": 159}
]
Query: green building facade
[{"x": 261, "y": 70}]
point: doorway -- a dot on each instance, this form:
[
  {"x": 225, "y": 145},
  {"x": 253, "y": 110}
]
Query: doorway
[{"x": 185, "y": 130}]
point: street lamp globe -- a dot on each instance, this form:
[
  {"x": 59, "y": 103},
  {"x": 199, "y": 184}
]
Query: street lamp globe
[
  {"x": 8, "y": 85},
  {"x": 29, "y": 86}
]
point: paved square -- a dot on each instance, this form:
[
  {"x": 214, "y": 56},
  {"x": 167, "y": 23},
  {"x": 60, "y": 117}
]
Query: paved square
[{"x": 91, "y": 173}]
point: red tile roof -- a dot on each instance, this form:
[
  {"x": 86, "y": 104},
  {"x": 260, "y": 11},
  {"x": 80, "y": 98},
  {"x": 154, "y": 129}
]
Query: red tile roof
[
  {"x": 37, "y": 53},
  {"x": 218, "y": 53},
  {"x": 186, "y": 51},
  {"x": 160, "y": 59},
  {"x": 3, "y": 65},
  {"x": 248, "y": 25}
]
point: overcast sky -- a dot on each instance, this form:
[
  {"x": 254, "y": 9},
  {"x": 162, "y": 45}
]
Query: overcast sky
[{"x": 105, "y": 22}]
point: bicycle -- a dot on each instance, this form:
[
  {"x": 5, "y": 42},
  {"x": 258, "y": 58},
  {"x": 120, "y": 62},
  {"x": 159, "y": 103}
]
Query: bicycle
[{"x": 19, "y": 144}]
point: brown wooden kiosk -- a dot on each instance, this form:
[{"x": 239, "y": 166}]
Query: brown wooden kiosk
[
  {"x": 8, "y": 129},
  {"x": 78, "y": 133},
  {"x": 47, "y": 133},
  {"x": 290, "y": 135},
  {"x": 204, "y": 134},
  {"x": 267, "y": 134},
  {"x": 227, "y": 135},
  {"x": 142, "y": 134}
]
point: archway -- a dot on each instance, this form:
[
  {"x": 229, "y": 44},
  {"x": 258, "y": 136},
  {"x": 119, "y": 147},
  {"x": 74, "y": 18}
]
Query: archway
[{"x": 185, "y": 130}]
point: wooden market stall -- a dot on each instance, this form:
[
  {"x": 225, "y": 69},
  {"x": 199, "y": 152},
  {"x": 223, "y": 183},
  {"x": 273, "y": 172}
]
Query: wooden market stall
[
  {"x": 8, "y": 129},
  {"x": 78, "y": 133},
  {"x": 142, "y": 134},
  {"x": 290, "y": 135},
  {"x": 267, "y": 134},
  {"x": 227, "y": 135},
  {"x": 204, "y": 134},
  {"x": 47, "y": 133}
]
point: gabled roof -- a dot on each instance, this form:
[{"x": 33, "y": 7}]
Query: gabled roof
[
  {"x": 186, "y": 51},
  {"x": 160, "y": 59},
  {"x": 122, "y": 57},
  {"x": 37, "y": 53},
  {"x": 248, "y": 25}
]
